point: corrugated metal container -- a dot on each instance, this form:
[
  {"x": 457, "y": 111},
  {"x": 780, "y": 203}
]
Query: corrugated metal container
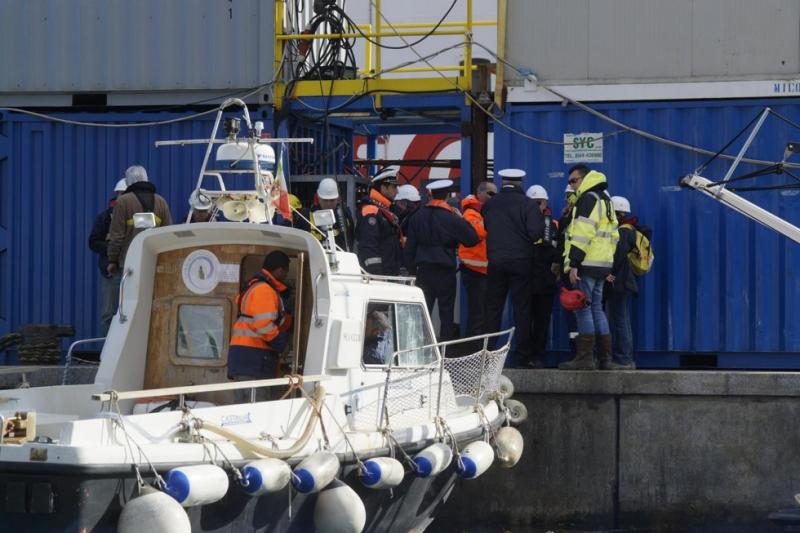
[
  {"x": 720, "y": 283},
  {"x": 54, "y": 180},
  {"x": 102, "y": 46},
  {"x": 624, "y": 40}
]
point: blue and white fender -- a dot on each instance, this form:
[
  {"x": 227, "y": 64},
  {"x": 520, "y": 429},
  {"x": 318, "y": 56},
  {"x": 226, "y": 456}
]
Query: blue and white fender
[
  {"x": 315, "y": 472},
  {"x": 196, "y": 484},
  {"x": 265, "y": 476},
  {"x": 433, "y": 459},
  {"x": 475, "y": 459},
  {"x": 382, "y": 473}
]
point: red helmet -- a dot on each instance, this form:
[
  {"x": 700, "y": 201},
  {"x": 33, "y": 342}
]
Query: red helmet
[{"x": 573, "y": 300}]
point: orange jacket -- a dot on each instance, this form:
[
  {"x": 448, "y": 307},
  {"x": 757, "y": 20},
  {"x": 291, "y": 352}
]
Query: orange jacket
[
  {"x": 261, "y": 314},
  {"x": 474, "y": 258}
]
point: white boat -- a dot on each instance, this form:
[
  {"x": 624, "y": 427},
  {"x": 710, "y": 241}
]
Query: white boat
[{"x": 349, "y": 446}]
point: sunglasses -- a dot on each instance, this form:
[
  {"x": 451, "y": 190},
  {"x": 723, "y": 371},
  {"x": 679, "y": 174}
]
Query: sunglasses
[
  {"x": 573, "y": 181},
  {"x": 490, "y": 193}
]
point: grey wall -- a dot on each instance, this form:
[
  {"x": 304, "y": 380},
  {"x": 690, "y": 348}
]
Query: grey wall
[{"x": 631, "y": 40}]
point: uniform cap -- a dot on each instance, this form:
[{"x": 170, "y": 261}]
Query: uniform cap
[
  {"x": 621, "y": 204},
  {"x": 388, "y": 174},
  {"x": 537, "y": 192},
  {"x": 407, "y": 192},
  {"x": 327, "y": 189},
  {"x": 438, "y": 185},
  {"x": 512, "y": 174},
  {"x": 120, "y": 186}
]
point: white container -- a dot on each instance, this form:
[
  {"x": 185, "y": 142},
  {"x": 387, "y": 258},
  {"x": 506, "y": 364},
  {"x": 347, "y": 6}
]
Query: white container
[
  {"x": 265, "y": 476},
  {"x": 433, "y": 459},
  {"x": 382, "y": 473},
  {"x": 315, "y": 472},
  {"x": 476, "y": 458},
  {"x": 196, "y": 484}
]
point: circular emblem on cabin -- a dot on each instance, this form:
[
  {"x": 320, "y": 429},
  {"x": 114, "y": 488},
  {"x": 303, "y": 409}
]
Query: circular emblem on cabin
[{"x": 201, "y": 271}]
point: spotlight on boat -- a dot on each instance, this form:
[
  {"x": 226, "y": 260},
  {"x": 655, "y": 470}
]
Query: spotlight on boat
[
  {"x": 199, "y": 201},
  {"x": 234, "y": 210}
]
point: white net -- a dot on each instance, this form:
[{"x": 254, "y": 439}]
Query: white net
[{"x": 476, "y": 374}]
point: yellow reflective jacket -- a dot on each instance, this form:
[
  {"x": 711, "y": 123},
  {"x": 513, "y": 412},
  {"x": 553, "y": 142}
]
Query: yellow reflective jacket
[{"x": 592, "y": 235}]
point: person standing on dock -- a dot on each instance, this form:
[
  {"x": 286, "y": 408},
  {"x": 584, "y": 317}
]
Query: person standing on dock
[
  {"x": 591, "y": 240},
  {"x": 434, "y": 233},
  {"x": 378, "y": 229},
  {"x": 328, "y": 198},
  {"x": 514, "y": 224},
  {"x": 98, "y": 243}
]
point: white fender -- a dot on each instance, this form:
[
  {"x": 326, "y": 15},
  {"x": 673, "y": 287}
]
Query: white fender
[
  {"x": 505, "y": 386},
  {"x": 196, "y": 484},
  {"x": 153, "y": 510},
  {"x": 315, "y": 472},
  {"x": 476, "y": 458},
  {"x": 265, "y": 475},
  {"x": 509, "y": 446},
  {"x": 433, "y": 459},
  {"x": 517, "y": 412},
  {"x": 382, "y": 473},
  {"x": 339, "y": 510}
]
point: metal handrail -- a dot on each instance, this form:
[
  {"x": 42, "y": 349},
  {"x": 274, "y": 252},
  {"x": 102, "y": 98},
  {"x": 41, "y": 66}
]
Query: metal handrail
[
  {"x": 509, "y": 331},
  {"x": 405, "y": 280},
  {"x": 68, "y": 359},
  {"x": 122, "y": 316}
]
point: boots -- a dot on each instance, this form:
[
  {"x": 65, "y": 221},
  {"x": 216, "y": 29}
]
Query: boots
[
  {"x": 584, "y": 359},
  {"x": 606, "y": 356}
]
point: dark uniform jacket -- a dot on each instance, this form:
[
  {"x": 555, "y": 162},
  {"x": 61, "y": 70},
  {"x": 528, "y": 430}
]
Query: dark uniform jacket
[
  {"x": 98, "y": 239},
  {"x": 378, "y": 235},
  {"x": 344, "y": 219},
  {"x": 625, "y": 279},
  {"x": 545, "y": 252},
  {"x": 514, "y": 223},
  {"x": 434, "y": 233}
]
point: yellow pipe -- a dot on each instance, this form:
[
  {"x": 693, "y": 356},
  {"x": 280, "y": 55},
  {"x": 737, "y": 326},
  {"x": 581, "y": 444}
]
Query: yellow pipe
[
  {"x": 378, "y": 46},
  {"x": 278, "y": 49},
  {"x": 468, "y": 49},
  {"x": 373, "y": 35},
  {"x": 499, "y": 73}
]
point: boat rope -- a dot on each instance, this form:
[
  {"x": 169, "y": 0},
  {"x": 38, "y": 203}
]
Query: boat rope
[
  {"x": 488, "y": 432},
  {"x": 361, "y": 467},
  {"x": 237, "y": 473},
  {"x": 119, "y": 420},
  {"x": 393, "y": 444}
]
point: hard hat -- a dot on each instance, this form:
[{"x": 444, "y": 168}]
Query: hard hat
[
  {"x": 407, "y": 192},
  {"x": 438, "y": 185},
  {"x": 512, "y": 174},
  {"x": 573, "y": 300},
  {"x": 327, "y": 189},
  {"x": 621, "y": 204},
  {"x": 294, "y": 202},
  {"x": 120, "y": 186},
  {"x": 388, "y": 175},
  {"x": 537, "y": 192}
]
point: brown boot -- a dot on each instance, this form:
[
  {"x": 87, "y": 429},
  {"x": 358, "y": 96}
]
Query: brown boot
[
  {"x": 584, "y": 358},
  {"x": 606, "y": 355}
]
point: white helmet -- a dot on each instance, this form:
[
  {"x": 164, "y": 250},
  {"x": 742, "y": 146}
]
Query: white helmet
[
  {"x": 327, "y": 189},
  {"x": 120, "y": 186},
  {"x": 621, "y": 204},
  {"x": 537, "y": 192},
  {"x": 407, "y": 192}
]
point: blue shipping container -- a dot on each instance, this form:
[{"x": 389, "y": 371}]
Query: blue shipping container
[
  {"x": 54, "y": 180},
  {"x": 721, "y": 283}
]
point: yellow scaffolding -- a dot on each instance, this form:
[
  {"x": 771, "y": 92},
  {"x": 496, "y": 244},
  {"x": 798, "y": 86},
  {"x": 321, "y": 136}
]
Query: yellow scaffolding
[{"x": 372, "y": 77}]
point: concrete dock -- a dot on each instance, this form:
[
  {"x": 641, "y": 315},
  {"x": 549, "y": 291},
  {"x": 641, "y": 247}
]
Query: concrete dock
[{"x": 644, "y": 450}]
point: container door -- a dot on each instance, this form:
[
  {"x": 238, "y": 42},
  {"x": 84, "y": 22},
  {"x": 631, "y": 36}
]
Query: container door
[{"x": 5, "y": 209}]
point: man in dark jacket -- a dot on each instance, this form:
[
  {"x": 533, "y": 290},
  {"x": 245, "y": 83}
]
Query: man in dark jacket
[
  {"x": 620, "y": 287},
  {"x": 514, "y": 223},
  {"x": 98, "y": 243},
  {"x": 377, "y": 229},
  {"x": 543, "y": 280},
  {"x": 434, "y": 233},
  {"x": 328, "y": 198}
]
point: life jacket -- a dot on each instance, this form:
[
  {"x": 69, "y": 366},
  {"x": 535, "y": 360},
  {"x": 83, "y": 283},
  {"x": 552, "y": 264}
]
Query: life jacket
[
  {"x": 378, "y": 203},
  {"x": 641, "y": 256},
  {"x": 596, "y": 235},
  {"x": 474, "y": 257},
  {"x": 261, "y": 313}
]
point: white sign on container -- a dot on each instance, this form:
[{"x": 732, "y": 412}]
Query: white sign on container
[{"x": 583, "y": 148}]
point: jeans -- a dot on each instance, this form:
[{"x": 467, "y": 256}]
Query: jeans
[
  {"x": 619, "y": 320},
  {"x": 109, "y": 294},
  {"x": 592, "y": 320}
]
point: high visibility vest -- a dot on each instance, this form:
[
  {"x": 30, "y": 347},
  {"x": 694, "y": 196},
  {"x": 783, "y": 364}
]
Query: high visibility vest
[
  {"x": 260, "y": 313},
  {"x": 596, "y": 235},
  {"x": 474, "y": 257}
]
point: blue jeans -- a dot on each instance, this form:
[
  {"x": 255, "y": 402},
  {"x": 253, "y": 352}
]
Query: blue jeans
[
  {"x": 619, "y": 319},
  {"x": 592, "y": 320},
  {"x": 109, "y": 294}
]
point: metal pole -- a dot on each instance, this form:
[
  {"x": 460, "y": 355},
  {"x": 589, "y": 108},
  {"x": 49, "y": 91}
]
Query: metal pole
[
  {"x": 746, "y": 145},
  {"x": 441, "y": 378}
]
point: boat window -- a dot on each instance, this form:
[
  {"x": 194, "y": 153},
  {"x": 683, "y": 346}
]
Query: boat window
[
  {"x": 379, "y": 333},
  {"x": 413, "y": 332},
  {"x": 201, "y": 331}
]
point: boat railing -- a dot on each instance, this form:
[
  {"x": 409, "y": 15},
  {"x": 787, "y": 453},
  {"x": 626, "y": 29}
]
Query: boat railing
[
  {"x": 366, "y": 278},
  {"x": 181, "y": 392},
  {"x": 411, "y": 393},
  {"x": 68, "y": 359}
]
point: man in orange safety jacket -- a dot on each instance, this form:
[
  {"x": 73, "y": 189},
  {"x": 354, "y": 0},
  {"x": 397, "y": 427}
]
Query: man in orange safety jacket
[
  {"x": 261, "y": 331},
  {"x": 473, "y": 259}
]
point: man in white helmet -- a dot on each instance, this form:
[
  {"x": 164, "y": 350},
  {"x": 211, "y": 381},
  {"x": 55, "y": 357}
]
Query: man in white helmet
[
  {"x": 328, "y": 198},
  {"x": 406, "y": 204},
  {"x": 98, "y": 243}
]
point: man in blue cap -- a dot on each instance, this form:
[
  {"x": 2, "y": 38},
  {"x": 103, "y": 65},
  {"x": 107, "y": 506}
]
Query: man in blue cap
[{"x": 434, "y": 233}]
